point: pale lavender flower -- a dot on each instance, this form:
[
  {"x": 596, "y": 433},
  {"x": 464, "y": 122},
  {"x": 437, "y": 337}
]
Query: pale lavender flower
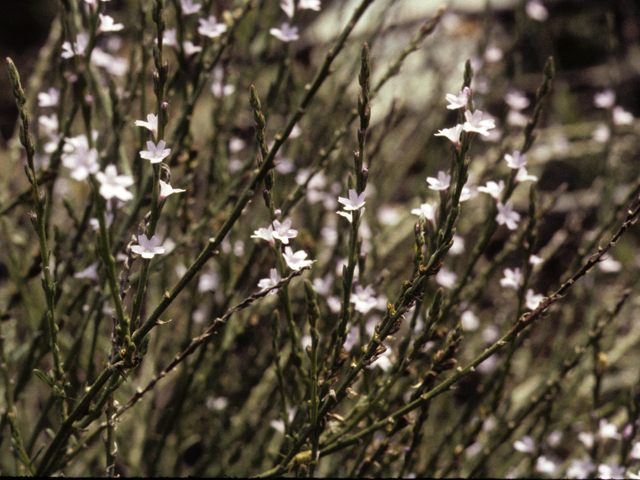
[
  {"x": 469, "y": 321},
  {"x": 506, "y": 216},
  {"x": 107, "y": 24},
  {"x": 604, "y": 99},
  {"x": 147, "y": 247},
  {"x": 523, "y": 176},
  {"x": 459, "y": 100},
  {"x": 580, "y": 468},
  {"x": 532, "y": 300},
  {"x": 634, "y": 454},
  {"x": 297, "y": 260},
  {"x": 155, "y": 153},
  {"x": 517, "y": 100},
  {"x": 151, "y": 124},
  {"x": 525, "y": 445},
  {"x": 283, "y": 232},
  {"x": 536, "y": 11},
  {"x": 516, "y": 160},
  {"x": 265, "y": 234},
  {"x": 517, "y": 119},
  {"x": 545, "y": 465},
  {"x": 428, "y": 210},
  {"x": 493, "y": 54},
  {"x": 114, "y": 65},
  {"x": 166, "y": 190},
  {"x": 91, "y": 272},
  {"x": 621, "y": 116},
  {"x": 272, "y": 281},
  {"x": 210, "y": 28},
  {"x": 285, "y": 33},
  {"x": 453, "y": 134},
  {"x": 607, "y": 430},
  {"x": 309, "y": 5},
  {"x": 611, "y": 471},
  {"x": 82, "y": 163},
  {"x": 511, "y": 279},
  {"x": 475, "y": 123},
  {"x": 288, "y": 7},
  {"x": 190, "y": 48},
  {"x": 169, "y": 38},
  {"x": 113, "y": 185},
  {"x": 492, "y": 188},
  {"x": 77, "y": 48},
  {"x": 601, "y": 133},
  {"x": 354, "y": 202},
  {"x": 535, "y": 260},
  {"x": 446, "y": 278},
  {"x": 363, "y": 299},
  {"x": 441, "y": 183},
  {"x": 49, "y": 98},
  {"x": 188, "y": 7}
]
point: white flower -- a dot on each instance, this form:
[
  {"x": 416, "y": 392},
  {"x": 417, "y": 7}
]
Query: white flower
[
  {"x": 166, "y": 190},
  {"x": 190, "y": 48},
  {"x": 535, "y": 260},
  {"x": 428, "y": 210},
  {"x": 91, "y": 272},
  {"x": 621, "y": 116},
  {"x": 474, "y": 123},
  {"x": 265, "y": 234},
  {"x": 210, "y": 28},
  {"x": 446, "y": 278},
  {"x": 453, "y": 134},
  {"x": 363, "y": 299},
  {"x": 493, "y": 54},
  {"x": 218, "y": 89},
  {"x": 525, "y": 445},
  {"x": 188, "y": 7},
  {"x": 580, "y": 468},
  {"x": 604, "y": 99},
  {"x": 601, "y": 133},
  {"x": 634, "y": 454},
  {"x": 309, "y": 5},
  {"x": 532, "y": 300},
  {"x": 512, "y": 278},
  {"x": 469, "y": 321},
  {"x": 82, "y": 163},
  {"x": 285, "y": 33},
  {"x": 506, "y": 216},
  {"x": 458, "y": 245},
  {"x": 494, "y": 189},
  {"x": 607, "y": 430},
  {"x": 354, "y": 202},
  {"x": 517, "y": 119},
  {"x": 147, "y": 247},
  {"x": 523, "y": 176},
  {"x": 151, "y": 124},
  {"x": 113, "y": 185},
  {"x": 536, "y": 10},
  {"x": 169, "y": 38},
  {"x": 288, "y": 7},
  {"x": 296, "y": 261},
  {"x": 283, "y": 232},
  {"x": 516, "y": 160},
  {"x": 466, "y": 193},
  {"x": 611, "y": 471},
  {"x": 77, "y": 48},
  {"x": 155, "y": 153},
  {"x": 114, "y": 65},
  {"x": 272, "y": 281},
  {"x": 516, "y": 100},
  {"x": 48, "y": 125},
  {"x": 107, "y": 24},
  {"x": 459, "y": 100},
  {"x": 546, "y": 466},
  {"x": 49, "y": 98},
  {"x": 441, "y": 183}
]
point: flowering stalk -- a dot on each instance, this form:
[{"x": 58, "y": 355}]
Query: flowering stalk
[
  {"x": 364, "y": 111},
  {"x": 38, "y": 219}
]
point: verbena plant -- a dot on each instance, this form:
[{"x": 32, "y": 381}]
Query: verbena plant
[{"x": 225, "y": 262}]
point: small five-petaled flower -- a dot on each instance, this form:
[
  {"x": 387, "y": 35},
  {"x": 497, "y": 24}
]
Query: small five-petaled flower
[{"x": 147, "y": 247}]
